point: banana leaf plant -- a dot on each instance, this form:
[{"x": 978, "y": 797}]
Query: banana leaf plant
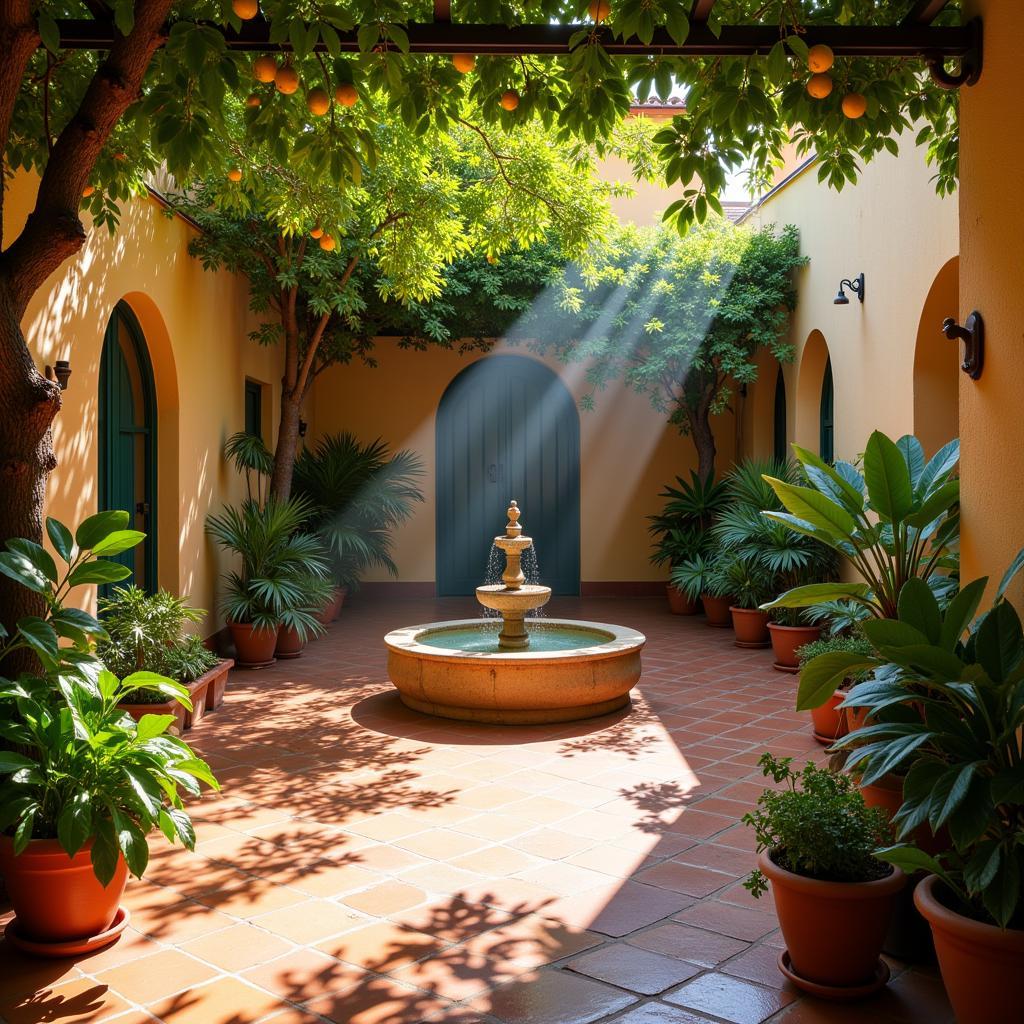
[{"x": 946, "y": 703}]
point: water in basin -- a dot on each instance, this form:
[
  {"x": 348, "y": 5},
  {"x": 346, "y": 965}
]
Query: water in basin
[{"x": 483, "y": 639}]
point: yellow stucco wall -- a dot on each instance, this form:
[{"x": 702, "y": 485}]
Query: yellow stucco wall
[
  {"x": 991, "y": 229},
  {"x": 892, "y": 227},
  {"x": 627, "y": 453},
  {"x": 195, "y": 324}
]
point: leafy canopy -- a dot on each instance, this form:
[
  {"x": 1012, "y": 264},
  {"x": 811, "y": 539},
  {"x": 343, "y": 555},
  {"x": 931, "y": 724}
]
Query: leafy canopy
[{"x": 739, "y": 109}]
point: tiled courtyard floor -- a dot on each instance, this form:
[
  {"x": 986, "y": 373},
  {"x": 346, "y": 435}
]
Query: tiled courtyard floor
[{"x": 370, "y": 865}]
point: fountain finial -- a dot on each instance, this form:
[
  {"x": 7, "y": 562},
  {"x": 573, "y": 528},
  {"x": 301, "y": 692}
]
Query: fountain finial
[{"x": 512, "y": 528}]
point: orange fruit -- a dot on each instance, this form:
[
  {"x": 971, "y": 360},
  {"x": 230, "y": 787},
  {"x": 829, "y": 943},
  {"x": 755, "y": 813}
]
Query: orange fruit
[
  {"x": 819, "y": 86},
  {"x": 264, "y": 68},
  {"x": 820, "y": 58},
  {"x": 120, "y": 156},
  {"x": 252, "y": 100},
  {"x": 318, "y": 102},
  {"x": 346, "y": 94},
  {"x": 234, "y": 174},
  {"x": 245, "y": 9},
  {"x": 599, "y": 10},
  {"x": 88, "y": 191},
  {"x": 287, "y": 80},
  {"x": 509, "y": 99},
  {"x": 492, "y": 259},
  {"x": 316, "y": 232},
  {"x": 464, "y": 62},
  {"x": 327, "y": 243},
  {"x": 854, "y": 105}
]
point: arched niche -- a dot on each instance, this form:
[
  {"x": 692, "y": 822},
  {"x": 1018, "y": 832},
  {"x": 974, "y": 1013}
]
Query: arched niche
[
  {"x": 937, "y": 363},
  {"x": 813, "y": 377}
]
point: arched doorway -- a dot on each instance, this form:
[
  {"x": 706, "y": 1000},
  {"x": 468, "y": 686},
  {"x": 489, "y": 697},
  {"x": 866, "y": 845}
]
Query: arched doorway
[
  {"x": 780, "y": 447},
  {"x": 507, "y": 428},
  {"x": 815, "y": 398},
  {"x": 827, "y": 416},
  {"x": 127, "y": 429},
  {"x": 937, "y": 364}
]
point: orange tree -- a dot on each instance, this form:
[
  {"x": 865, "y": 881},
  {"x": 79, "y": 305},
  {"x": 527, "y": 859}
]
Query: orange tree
[{"x": 91, "y": 124}]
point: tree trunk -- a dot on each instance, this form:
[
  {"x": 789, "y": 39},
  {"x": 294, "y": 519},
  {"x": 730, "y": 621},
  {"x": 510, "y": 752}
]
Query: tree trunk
[
  {"x": 30, "y": 402},
  {"x": 703, "y": 441},
  {"x": 287, "y": 444}
]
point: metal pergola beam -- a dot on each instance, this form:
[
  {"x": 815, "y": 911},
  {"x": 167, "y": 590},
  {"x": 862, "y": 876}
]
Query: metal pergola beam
[
  {"x": 935, "y": 42},
  {"x": 924, "y": 12}
]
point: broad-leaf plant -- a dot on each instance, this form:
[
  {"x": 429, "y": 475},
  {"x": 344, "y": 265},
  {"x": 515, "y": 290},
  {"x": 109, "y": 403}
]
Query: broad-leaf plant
[{"x": 73, "y": 766}]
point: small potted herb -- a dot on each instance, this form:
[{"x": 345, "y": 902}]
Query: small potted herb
[
  {"x": 146, "y": 633},
  {"x": 829, "y": 719},
  {"x": 817, "y": 842}
]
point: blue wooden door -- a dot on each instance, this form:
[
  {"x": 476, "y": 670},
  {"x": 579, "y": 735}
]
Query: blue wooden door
[
  {"x": 127, "y": 428},
  {"x": 507, "y": 428}
]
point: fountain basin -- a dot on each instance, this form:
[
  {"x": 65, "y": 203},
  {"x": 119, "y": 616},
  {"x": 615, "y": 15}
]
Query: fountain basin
[{"x": 571, "y": 670}]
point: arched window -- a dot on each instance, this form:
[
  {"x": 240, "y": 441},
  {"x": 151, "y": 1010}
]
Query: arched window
[
  {"x": 826, "y": 443},
  {"x": 781, "y": 450}
]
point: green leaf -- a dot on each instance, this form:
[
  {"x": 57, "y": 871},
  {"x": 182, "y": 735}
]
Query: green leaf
[
  {"x": 815, "y": 508},
  {"x": 938, "y": 467},
  {"x": 913, "y": 455},
  {"x": 887, "y": 478},
  {"x": 74, "y": 823},
  {"x": 49, "y": 33},
  {"x": 961, "y": 612},
  {"x": 92, "y": 530},
  {"x": 61, "y": 539},
  {"x": 816, "y": 593},
  {"x": 118, "y": 541},
  {"x": 917, "y": 607},
  {"x": 132, "y": 842},
  {"x": 911, "y": 859},
  {"x": 13, "y": 762},
  {"x": 948, "y": 793},
  {"x": 18, "y": 568},
  {"x": 100, "y": 571},
  {"x": 1002, "y": 894},
  {"x": 942, "y": 500},
  {"x": 890, "y": 633},
  {"x": 998, "y": 641},
  {"x": 1015, "y": 566},
  {"x": 40, "y": 636},
  {"x": 153, "y": 725},
  {"x": 40, "y": 558},
  {"x": 822, "y": 676}
]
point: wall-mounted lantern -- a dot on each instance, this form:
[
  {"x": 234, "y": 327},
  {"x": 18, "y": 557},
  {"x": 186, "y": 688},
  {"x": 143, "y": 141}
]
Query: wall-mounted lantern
[
  {"x": 856, "y": 286},
  {"x": 972, "y": 334},
  {"x": 60, "y": 371}
]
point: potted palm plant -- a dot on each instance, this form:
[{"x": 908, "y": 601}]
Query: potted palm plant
[
  {"x": 817, "y": 842},
  {"x": 358, "y": 495},
  {"x": 700, "y": 579},
  {"x": 743, "y": 579},
  {"x": 279, "y": 580},
  {"x": 680, "y": 531},
  {"x": 146, "y": 633},
  {"x": 82, "y": 783}
]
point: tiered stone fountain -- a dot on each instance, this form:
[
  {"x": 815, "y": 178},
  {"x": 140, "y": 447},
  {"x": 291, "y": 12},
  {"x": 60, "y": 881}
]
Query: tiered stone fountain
[{"x": 527, "y": 671}]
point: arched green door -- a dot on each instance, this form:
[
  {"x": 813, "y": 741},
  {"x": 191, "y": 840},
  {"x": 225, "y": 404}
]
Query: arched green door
[
  {"x": 826, "y": 442},
  {"x": 127, "y": 441},
  {"x": 507, "y": 428}
]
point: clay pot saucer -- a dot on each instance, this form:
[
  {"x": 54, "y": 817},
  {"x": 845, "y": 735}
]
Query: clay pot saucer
[
  {"x": 790, "y": 669},
  {"x": 68, "y": 947},
  {"x": 836, "y": 993}
]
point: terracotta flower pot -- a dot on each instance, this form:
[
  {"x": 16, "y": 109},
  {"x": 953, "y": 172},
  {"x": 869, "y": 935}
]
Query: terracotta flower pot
[
  {"x": 289, "y": 643},
  {"x": 981, "y": 964},
  {"x": 716, "y": 610},
  {"x": 887, "y": 793},
  {"x": 829, "y": 721},
  {"x": 787, "y": 640},
  {"x": 330, "y": 611},
  {"x": 750, "y": 626},
  {"x": 856, "y": 718},
  {"x": 679, "y": 603},
  {"x": 165, "y": 707},
  {"x": 218, "y": 683},
  {"x": 833, "y": 930},
  {"x": 57, "y": 898},
  {"x": 255, "y": 647}
]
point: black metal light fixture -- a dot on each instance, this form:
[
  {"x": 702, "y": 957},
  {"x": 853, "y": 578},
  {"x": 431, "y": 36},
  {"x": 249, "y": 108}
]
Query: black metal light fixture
[
  {"x": 60, "y": 371},
  {"x": 856, "y": 286},
  {"x": 972, "y": 334}
]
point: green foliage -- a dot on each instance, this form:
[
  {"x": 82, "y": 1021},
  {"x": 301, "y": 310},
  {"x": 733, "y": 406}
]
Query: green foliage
[
  {"x": 681, "y": 530},
  {"x": 849, "y": 644},
  {"x": 75, "y": 768},
  {"x": 146, "y": 632},
  {"x": 818, "y": 826},
  {"x": 283, "y": 577},
  {"x": 947, "y": 706},
  {"x": 358, "y": 494},
  {"x": 700, "y": 574},
  {"x": 898, "y": 521},
  {"x": 680, "y": 319},
  {"x": 739, "y": 110}
]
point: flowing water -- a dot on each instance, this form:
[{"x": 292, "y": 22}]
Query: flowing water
[
  {"x": 496, "y": 566},
  {"x": 483, "y": 639}
]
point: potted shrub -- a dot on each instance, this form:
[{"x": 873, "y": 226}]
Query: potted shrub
[
  {"x": 146, "y": 632},
  {"x": 743, "y": 579},
  {"x": 817, "y": 843},
  {"x": 699, "y": 579},
  {"x": 358, "y": 494},
  {"x": 82, "y": 784},
  {"x": 300, "y": 622},
  {"x": 829, "y": 718},
  {"x": 680, "y": 532},
  {"x": 278, "y": 562}
]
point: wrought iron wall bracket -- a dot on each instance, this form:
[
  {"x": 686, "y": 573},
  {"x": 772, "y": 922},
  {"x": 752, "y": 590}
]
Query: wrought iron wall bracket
[
  {"x": 970, "y": 62},
  {"x": 972, "y": 334}
]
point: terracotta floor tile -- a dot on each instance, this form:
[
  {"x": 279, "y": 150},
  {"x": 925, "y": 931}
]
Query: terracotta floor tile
[
  {"x": 729, "y": 998},
  {"x": 552, "y": 843},
  {"x": 304, "y": 974},
  {"x": 457, "y": 974},
  {"x": 21, "y": 974},
  {"x": 496, "y": 860},
  {"x": 379, "y": 1001},
  {"x": 382, "y": 946},
  {"x": 156, "y": 976},
  {"x": 226, "y": 1001},
  {"x": 760, "y": 964},
  {"x": 385, "y": 899},
  {"x": 552, "y": 997},
  {"x": 238, "y": 947},
  {"x": 81, "y": 1001},
  {"x": 327, "y": 879},
  {"x": 251, "y": 898},
  {"x": 686, "y": 943},
  {"x": 453, "y": 920},
  {"x": 632, "y": 968},
  {"x": 309, "y": 922},
  {"x": 727, "y": 919},
  {"x": 685, "y": 878},
  {"x": 532, "y": 941},
  {"x": 635, "y": 905},
  {"x": 440, "y": 844},
  {"x": 660, "y": 1013}
]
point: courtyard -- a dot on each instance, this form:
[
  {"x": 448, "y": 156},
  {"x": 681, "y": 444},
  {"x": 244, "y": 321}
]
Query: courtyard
[{"x": 367, "y": 864}]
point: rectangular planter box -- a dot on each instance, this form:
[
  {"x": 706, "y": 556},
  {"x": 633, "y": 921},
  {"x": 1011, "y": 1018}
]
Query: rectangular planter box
[
  {"x": 167, "y": 707},
  {"x": 218, "y": 676},
  {"x": 207, "y": 692}
]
